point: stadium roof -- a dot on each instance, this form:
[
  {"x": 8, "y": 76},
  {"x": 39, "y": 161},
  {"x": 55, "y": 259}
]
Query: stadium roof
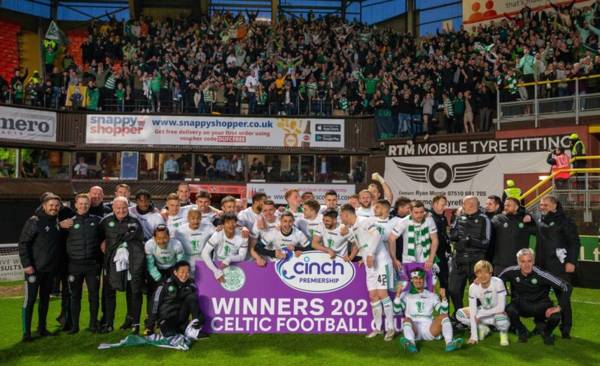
[{"x": 431, "y": 12}]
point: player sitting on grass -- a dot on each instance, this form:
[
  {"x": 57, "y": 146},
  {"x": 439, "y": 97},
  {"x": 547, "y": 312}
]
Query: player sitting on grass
[
  {"x": 490, "y": 292},
  {"x": 419, "y": 305}
]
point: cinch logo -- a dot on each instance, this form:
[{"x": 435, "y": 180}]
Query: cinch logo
[
  {"x": 117, "y": 125},
  {"x": 314, "y": 272},
  {"x": 440, "y": 175}
]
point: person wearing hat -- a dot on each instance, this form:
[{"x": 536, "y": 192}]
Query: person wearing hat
[
  {"x": 60, "y": 286},
  {"x": 578, "y": 150},
  {"x": 418, "y": 305},
  {"x": 512, "y": 191},
  {"x": 39, "y": 251}
]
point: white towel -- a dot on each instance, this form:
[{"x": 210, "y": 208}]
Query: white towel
[{"x": 121, "y": 259}]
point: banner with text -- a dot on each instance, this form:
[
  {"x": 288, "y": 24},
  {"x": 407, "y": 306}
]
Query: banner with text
[
  {"x": 458, "y": 169},
  {"x": 276, "y": 191},
  {"x": 10, "y": 268},
  {"x": 27, "y": 124},
  {"x": 228, "y": 131},
  {"x": 480, "y": 12},
  {"x": 307, "y": 294}
]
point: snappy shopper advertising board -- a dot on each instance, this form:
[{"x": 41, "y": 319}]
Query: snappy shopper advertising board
[
  {"x": 458, "y": 169},
  {"x": 307, "y": 294},
  {"x": 276, "y": 191},
  {"x": 230, "y": 131}
]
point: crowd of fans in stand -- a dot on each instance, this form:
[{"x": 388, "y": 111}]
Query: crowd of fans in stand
[{"x": 238, "y": 64}]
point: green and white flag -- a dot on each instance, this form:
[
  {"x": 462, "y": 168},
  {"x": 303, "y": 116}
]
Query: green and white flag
[
  {"x": 177, "y": 342},
  {"x": 54, "y": 33},
  {"x": 482, "y": 47}
]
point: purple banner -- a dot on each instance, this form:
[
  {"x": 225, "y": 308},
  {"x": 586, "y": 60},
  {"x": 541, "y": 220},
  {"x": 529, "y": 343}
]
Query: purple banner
[{"x": 307, "y": 294}]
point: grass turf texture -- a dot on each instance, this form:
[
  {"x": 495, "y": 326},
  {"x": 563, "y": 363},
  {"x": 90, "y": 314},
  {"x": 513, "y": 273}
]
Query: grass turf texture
[{"x": 294, "y": 349}]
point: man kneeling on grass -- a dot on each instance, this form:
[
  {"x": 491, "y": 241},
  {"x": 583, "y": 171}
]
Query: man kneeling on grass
[
  {"x": 420, "y": 323},
  {"x": 174, "y": 303}
]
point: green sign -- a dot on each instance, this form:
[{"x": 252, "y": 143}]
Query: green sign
[{"x": 589, "y": 250}]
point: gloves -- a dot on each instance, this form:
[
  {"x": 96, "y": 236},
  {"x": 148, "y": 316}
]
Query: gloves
[{"x": 193, "y": 329}]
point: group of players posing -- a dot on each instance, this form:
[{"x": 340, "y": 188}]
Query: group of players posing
[{"x": 362, "y": 233}]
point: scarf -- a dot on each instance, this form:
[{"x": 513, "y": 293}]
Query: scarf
[{"x": 418, "y": 236}]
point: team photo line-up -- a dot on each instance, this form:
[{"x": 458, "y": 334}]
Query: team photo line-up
[{"x": 141, "y": 249}]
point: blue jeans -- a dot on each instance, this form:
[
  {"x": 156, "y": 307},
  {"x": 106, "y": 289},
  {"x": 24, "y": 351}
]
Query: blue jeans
[
  {"x": 404, "y": 119},
  {"x": 416, "y": 127},
  {"x": 251, "y": 102}
]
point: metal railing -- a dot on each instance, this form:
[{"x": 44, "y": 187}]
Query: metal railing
[
  {"x": 565, "y": 98},
  {"x": 581, "y": 191}
]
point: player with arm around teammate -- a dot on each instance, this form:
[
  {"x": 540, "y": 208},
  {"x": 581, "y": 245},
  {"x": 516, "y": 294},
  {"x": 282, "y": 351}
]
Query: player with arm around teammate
[
  {"x": 380, "y": 274},
  {"x": 490, "y": 292}
]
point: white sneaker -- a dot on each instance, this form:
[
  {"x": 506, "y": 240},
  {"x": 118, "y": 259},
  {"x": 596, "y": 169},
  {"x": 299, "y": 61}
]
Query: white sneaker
[
  {"x": 389, "y": 335},
  {"x": 503, "y": 339},
  {"x": 483, "y": 331},
  {"x": 374, "y": 334}
]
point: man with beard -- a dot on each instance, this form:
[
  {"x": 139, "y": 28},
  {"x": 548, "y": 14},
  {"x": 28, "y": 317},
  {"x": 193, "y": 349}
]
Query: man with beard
[
  {"x": 39, "y": 246},
  {"x": 510, "y": 233},
  {"x": 558, "y": 249}
]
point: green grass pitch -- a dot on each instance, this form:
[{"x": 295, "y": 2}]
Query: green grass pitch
[{"x": 265, "y": 350}]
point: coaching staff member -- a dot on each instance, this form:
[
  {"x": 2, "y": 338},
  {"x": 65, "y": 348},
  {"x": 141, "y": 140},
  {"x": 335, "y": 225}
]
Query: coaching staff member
[
  {"x": 558, "y": 249},
  {"x": 530, "y": 287},
  {"x": 471, "y": 234},
  {"x": 85, "y": 260},
  {"x": 39, "y": 251},
  {"x": 511, "y": 231},
  {"x": 124, "y": 262}
]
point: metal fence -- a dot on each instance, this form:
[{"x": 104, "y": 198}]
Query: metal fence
[{"x": 573, "y": 98}]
